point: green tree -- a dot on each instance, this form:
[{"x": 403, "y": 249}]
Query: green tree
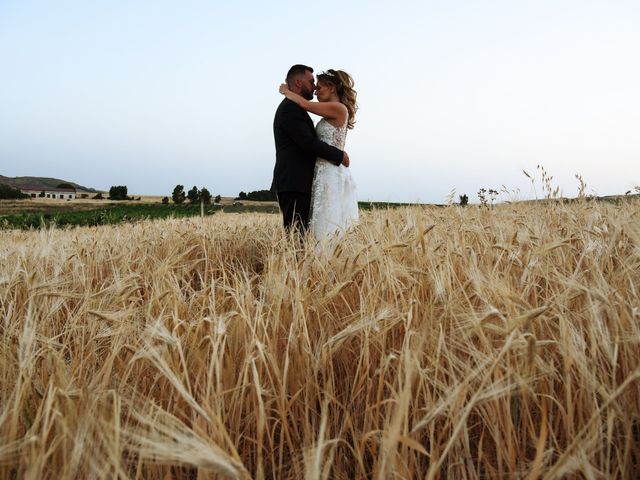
[
  {"x": 218, "y": 199},
  {"x": 464, "y": 200},
  {"x": 205, "y": 195},
  {"x": 242, "y": 196},
  {"x": 178, "y": 195},
  {"x": 118, "y": 192},
  {"x": 194, "y": 195},
  {"x": 165, "y": 200},
  {"x": 7, "y": 191},
  {"x": 262, "y": 195}
]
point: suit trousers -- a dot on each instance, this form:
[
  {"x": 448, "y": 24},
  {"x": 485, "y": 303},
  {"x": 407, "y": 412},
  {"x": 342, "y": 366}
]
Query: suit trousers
[{"x": 295, "y": 208}]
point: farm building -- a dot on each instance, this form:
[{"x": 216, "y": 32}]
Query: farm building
[{"x": 53, "y": 193}]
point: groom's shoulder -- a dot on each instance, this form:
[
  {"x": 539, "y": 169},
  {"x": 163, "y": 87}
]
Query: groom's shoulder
[{"x": 288, "y": 107}]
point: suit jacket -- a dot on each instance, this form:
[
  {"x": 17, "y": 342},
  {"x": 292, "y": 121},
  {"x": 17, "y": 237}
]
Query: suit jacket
[{"x": 297, "y": 148}]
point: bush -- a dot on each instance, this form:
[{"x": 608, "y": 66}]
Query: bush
[
  {"x": 205, "y": 196},
  {"x": 98, "y": 196},
  {"x": 165, "y": 200},
  {"x": 258, "y": 195},
  {"x": 194, "y": 195},
  {"x": 178, "y": 195},
  {"x": 9, "y": 192},
  {"x": 118, "y": 193}
]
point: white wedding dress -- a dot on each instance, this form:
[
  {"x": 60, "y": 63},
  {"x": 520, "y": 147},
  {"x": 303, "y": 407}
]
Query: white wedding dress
[{"x": 334, "y": 202}]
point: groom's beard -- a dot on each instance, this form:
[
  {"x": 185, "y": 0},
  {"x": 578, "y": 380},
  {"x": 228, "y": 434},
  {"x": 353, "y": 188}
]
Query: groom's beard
[{"x": 306, "y": 94}]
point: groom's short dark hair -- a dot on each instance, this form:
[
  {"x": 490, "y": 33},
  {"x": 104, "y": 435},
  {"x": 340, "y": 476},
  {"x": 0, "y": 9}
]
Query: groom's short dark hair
[{"x": 297, "y": 70}]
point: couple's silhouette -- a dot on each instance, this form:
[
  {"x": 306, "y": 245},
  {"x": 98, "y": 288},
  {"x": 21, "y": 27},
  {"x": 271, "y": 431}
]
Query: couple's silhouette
[{"x": 311, "y": 176}]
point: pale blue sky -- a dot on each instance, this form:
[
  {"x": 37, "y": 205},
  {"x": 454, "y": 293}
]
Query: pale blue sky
[{"x": 453, "y": 94}]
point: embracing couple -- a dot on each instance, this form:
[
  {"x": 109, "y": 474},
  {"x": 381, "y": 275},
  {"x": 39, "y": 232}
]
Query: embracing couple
[{"x": 311, "y": 177}]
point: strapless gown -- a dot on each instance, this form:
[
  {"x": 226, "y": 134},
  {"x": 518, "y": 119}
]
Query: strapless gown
[{"x": 334, "y": 202}]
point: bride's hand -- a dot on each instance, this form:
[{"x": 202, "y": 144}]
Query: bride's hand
[{"x": 283, "y": 88}]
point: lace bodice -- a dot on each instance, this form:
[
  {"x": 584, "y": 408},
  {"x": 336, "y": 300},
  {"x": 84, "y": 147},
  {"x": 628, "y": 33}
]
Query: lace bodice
[{"x": 335, "y": 136}]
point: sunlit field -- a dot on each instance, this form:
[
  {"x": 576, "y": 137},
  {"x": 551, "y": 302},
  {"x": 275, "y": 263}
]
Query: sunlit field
[{"x": 428, "y": 342}]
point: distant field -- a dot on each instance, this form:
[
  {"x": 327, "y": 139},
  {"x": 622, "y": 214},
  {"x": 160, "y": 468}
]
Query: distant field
[
  {"x": 111, "y": 213},
  {"x": 37, "y": 213},
  {"x": 42, "y": 205},
  {"x": 39, "y": 205},
  {"x": 426, "y": 343}
]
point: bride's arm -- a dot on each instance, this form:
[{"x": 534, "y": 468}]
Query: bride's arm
[{"x": 330, "y": 110}]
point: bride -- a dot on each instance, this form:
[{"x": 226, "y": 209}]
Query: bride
[{"x": 334, "y": 204}]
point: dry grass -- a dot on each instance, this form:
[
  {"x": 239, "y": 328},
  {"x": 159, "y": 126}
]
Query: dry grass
[
  {"x": 431, "y": 343},
  {"x": 47, "y": 205}
]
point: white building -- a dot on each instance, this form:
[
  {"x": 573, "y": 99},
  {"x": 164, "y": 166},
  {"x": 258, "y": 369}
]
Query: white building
[{"x": 53, "y": 193}]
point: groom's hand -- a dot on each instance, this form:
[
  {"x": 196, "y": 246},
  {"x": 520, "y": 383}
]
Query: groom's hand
[{"x": 345, "y": 159}]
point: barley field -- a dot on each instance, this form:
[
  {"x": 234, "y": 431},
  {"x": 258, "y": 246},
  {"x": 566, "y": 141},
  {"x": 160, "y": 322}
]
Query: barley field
[{"x": 426, "y": 343}]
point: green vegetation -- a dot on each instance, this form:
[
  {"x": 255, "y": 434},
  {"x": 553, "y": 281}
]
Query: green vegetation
[
  {"x": 118, "y": 192},
  {"x": 103, "y": 216},
  {"x": 194, "y": 195},
  {"x": 205, "y": 195},
  {"x": 258, "y": 195},
  {"x": 114, "y": 214},
  {"x": 178, "y": 194},
  {"x": 8, "y": 192}
]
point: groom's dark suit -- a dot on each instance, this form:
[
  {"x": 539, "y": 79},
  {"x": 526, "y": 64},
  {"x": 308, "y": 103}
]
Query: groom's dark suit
[{"x": 297, "y": 148}]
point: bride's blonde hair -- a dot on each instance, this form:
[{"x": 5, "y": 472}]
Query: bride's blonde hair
[{"x": 344, "y": 88}]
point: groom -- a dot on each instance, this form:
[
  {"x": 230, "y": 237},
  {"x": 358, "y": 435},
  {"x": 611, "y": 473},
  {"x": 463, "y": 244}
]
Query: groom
[{"x": 297, "y": 148}]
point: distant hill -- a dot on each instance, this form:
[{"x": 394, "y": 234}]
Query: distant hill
[{"x": 40, "y": 182}]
